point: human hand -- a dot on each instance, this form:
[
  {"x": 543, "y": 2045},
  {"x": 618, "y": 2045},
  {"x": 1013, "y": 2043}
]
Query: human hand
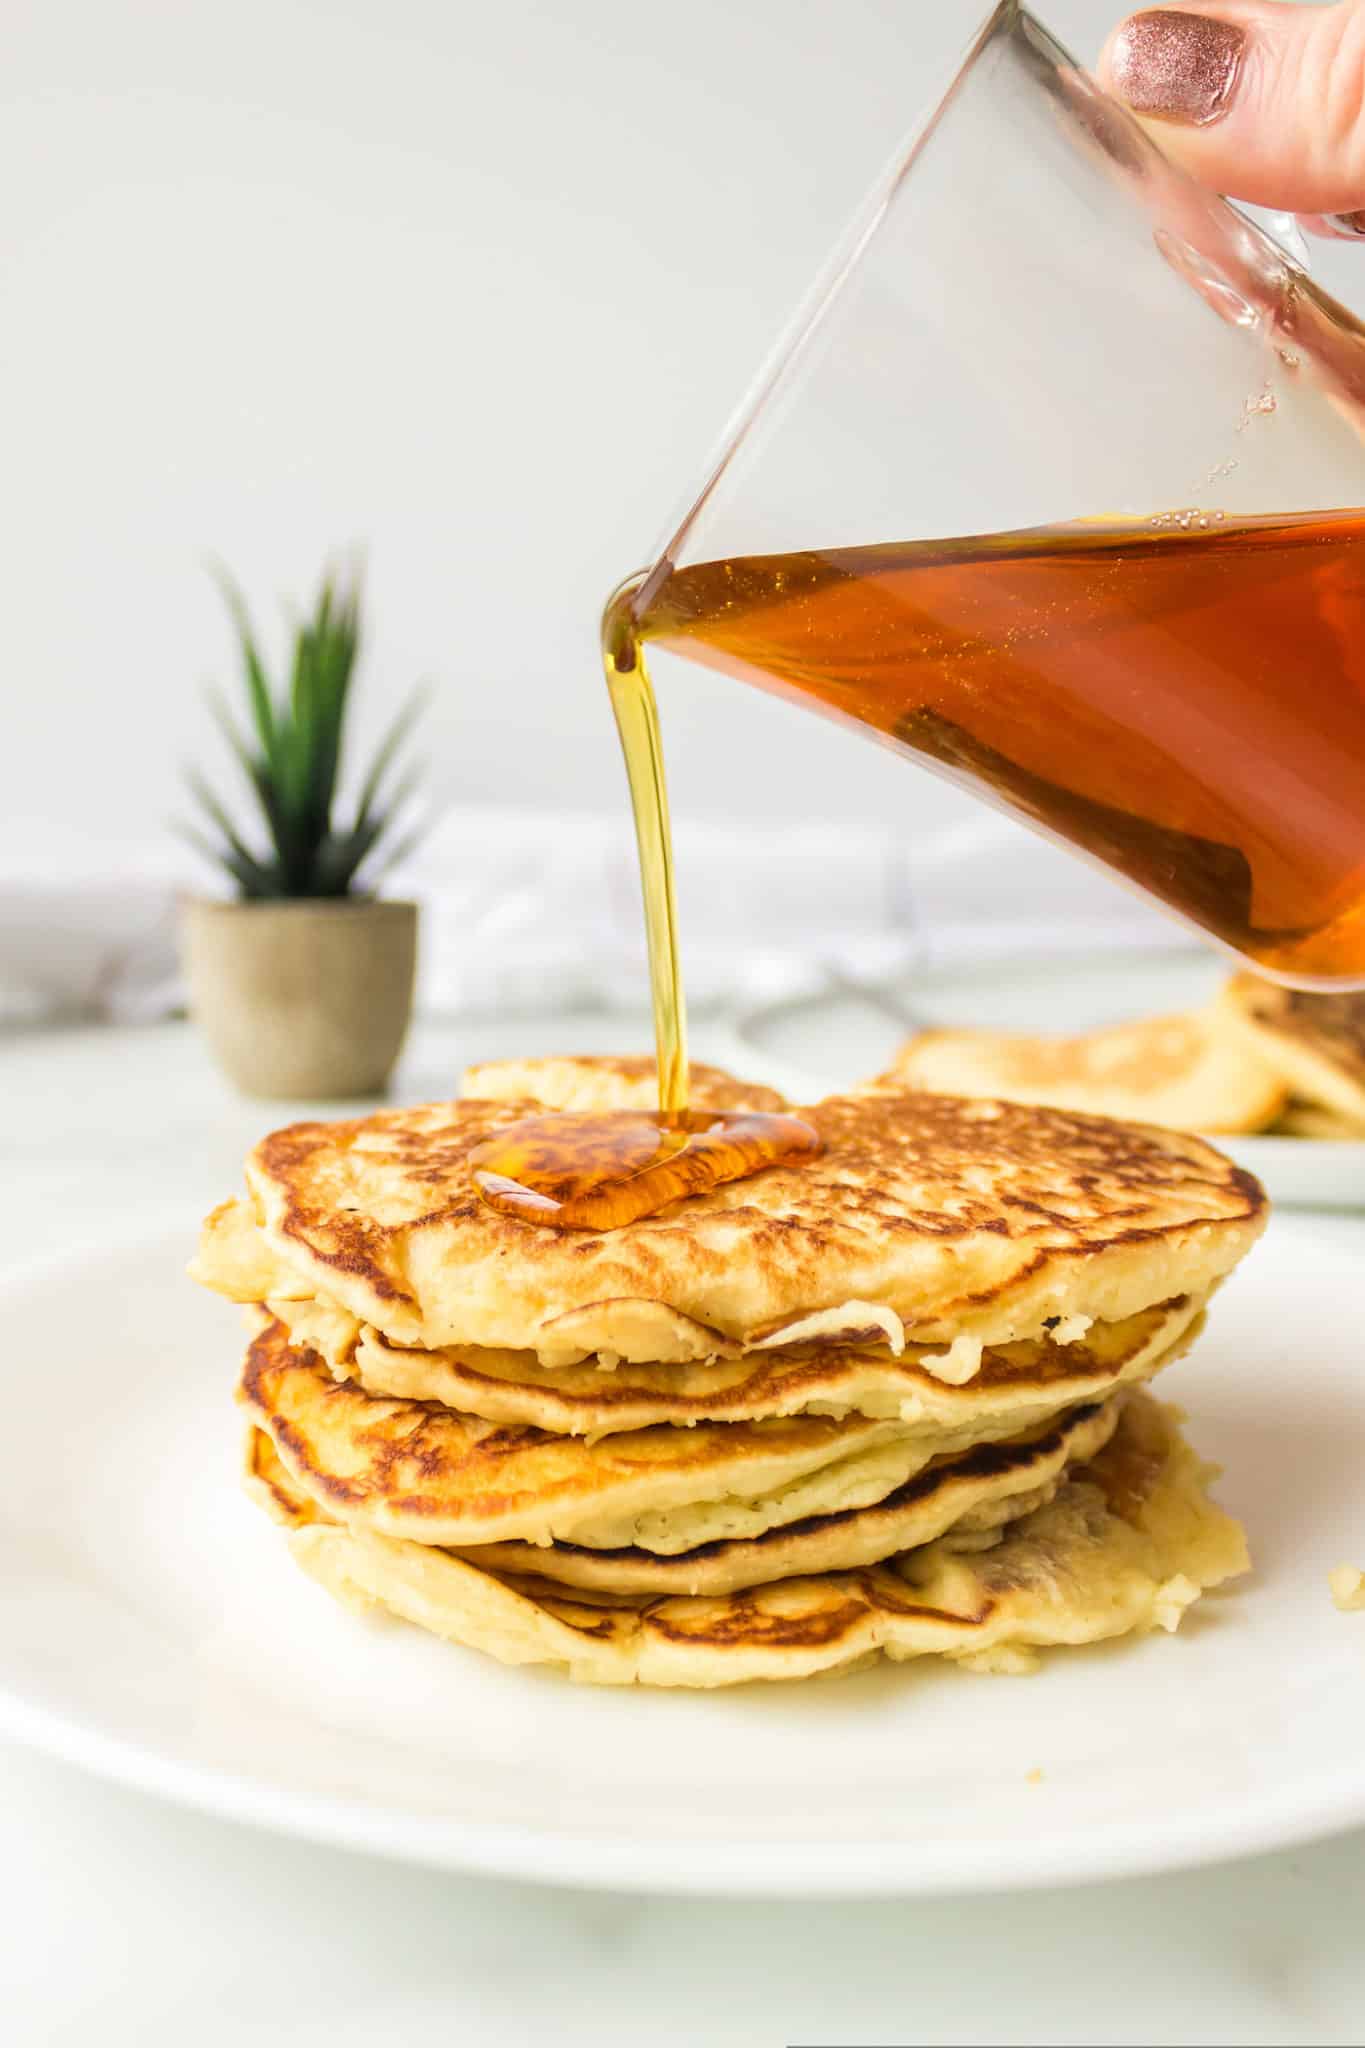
[{"x": 1261, "y": 99}]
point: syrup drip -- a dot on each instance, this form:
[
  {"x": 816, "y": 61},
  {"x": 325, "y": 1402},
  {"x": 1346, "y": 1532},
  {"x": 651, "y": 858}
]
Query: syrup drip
[
  {"x": 598, "y": 1170},
  {"x": 637, "y": 722}
]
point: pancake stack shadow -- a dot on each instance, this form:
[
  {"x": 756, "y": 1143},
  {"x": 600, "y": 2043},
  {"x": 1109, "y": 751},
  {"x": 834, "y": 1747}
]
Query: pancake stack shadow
[{"x": 889, "y": 1403}]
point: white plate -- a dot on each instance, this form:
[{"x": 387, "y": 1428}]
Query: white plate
[
  {"x": 153, "y": 1628},
  {"x": 821, "y": 1042}
]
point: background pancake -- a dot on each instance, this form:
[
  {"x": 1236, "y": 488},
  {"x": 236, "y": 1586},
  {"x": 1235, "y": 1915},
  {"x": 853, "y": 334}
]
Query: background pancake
[
  {"x": 607, "y": 1081},
  {"x": 1316, "y": 1042},
  {"x": 1310, "y": 1120},
  {"x": 1184, "y": 1072},
  {"x": 945, "y": 1220},
  {"x": 1125, "y": 1545}
]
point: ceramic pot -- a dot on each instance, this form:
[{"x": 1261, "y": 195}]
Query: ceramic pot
[{"x": 308, "y": 998}]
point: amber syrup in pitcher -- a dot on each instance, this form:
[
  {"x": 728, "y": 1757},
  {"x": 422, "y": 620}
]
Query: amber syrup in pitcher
[{"x": 1183, "y": 699}]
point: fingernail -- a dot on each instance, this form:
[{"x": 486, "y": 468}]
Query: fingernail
[
  {"x": 1349, "y": 225},
  {"x": 1180, "y": 67}
]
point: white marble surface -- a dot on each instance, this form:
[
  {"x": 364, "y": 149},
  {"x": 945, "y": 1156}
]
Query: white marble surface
[{"x": 129, "y": 1921}]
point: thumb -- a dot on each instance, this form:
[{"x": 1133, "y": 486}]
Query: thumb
[{"x": 1261, "y": 99}]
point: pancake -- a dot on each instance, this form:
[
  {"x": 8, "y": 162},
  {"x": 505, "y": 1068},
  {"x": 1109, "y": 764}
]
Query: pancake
[
  {"x": 1125, "y": 1546},
  {"x": 927, "y": 1219},
  {"x": 235, "y": 1260},
  {"x": 1347, "y": 1588},
  {"x": 269, "y": 1482},
  {"x": 1308, "y": 1120},
  {"x": 1021, "y": 1382},
  {"x": 602, "y": 1081},
  {"x": 421, "y": 1471},
  {"x": 974, "y": 1495},
  {"x": 1346, "y": 1583},
  {"x": 1315, "y": 1042},
  {"x": 1182, "y": 1072}
]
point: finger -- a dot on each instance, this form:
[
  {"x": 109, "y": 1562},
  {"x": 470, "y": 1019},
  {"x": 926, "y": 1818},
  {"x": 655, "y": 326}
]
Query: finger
[{"x": 1260, "y": 99}]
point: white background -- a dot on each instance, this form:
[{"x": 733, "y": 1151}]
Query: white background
[{"x": 474, "y": 286}]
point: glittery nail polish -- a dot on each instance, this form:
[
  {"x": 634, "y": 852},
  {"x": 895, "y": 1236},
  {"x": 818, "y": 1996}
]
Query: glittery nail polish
[
  {"x": 1351, "y": 226},
  {"x": 1177, "y": 66}
]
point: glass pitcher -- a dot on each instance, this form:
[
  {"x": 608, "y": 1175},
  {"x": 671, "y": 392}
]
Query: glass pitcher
[{"x": 1054, "y": 485}]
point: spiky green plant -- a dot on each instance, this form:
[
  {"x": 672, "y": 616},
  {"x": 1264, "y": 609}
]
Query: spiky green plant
[{"x": 291, "y": 754}]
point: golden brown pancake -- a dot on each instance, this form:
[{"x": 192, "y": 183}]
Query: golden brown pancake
[
  {"x": 422, "y": 1471},
  {"x": 269, "y": 1482},
  {"x": 1022, "y": 1382},
  {"x": 927, "y": 1218},
  {"x": 1315, "y": 1042},
  {"x": 1182, "y": 1072},
  {"x": 1126, "y": 1545},
  {"x": 975, "y": 1495}
]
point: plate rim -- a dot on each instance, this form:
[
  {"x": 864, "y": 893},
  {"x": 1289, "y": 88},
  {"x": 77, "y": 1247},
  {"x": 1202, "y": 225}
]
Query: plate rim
[{"x": 793, "y": 1868}]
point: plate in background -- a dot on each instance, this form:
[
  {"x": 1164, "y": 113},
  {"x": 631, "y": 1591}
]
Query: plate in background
[
  {"x": 153, "y": 1628},
  {"x": 814, "y": 1044}
]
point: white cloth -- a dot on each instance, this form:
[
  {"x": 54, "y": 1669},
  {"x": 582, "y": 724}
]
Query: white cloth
[
  {"x": 88, "y": 942},
  {"x": 529, "y": 912},
  {"x": 524, "y": 914}
]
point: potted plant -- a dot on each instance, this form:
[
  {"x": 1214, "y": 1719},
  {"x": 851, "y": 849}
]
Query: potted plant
[{"x": 303, "y": 984}]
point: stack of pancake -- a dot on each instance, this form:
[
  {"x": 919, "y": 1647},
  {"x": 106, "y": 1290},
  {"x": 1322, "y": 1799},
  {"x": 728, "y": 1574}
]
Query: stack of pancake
[
  {"x": 887, "y": 1402},
  {"x": 1259, "y": 1058}
]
